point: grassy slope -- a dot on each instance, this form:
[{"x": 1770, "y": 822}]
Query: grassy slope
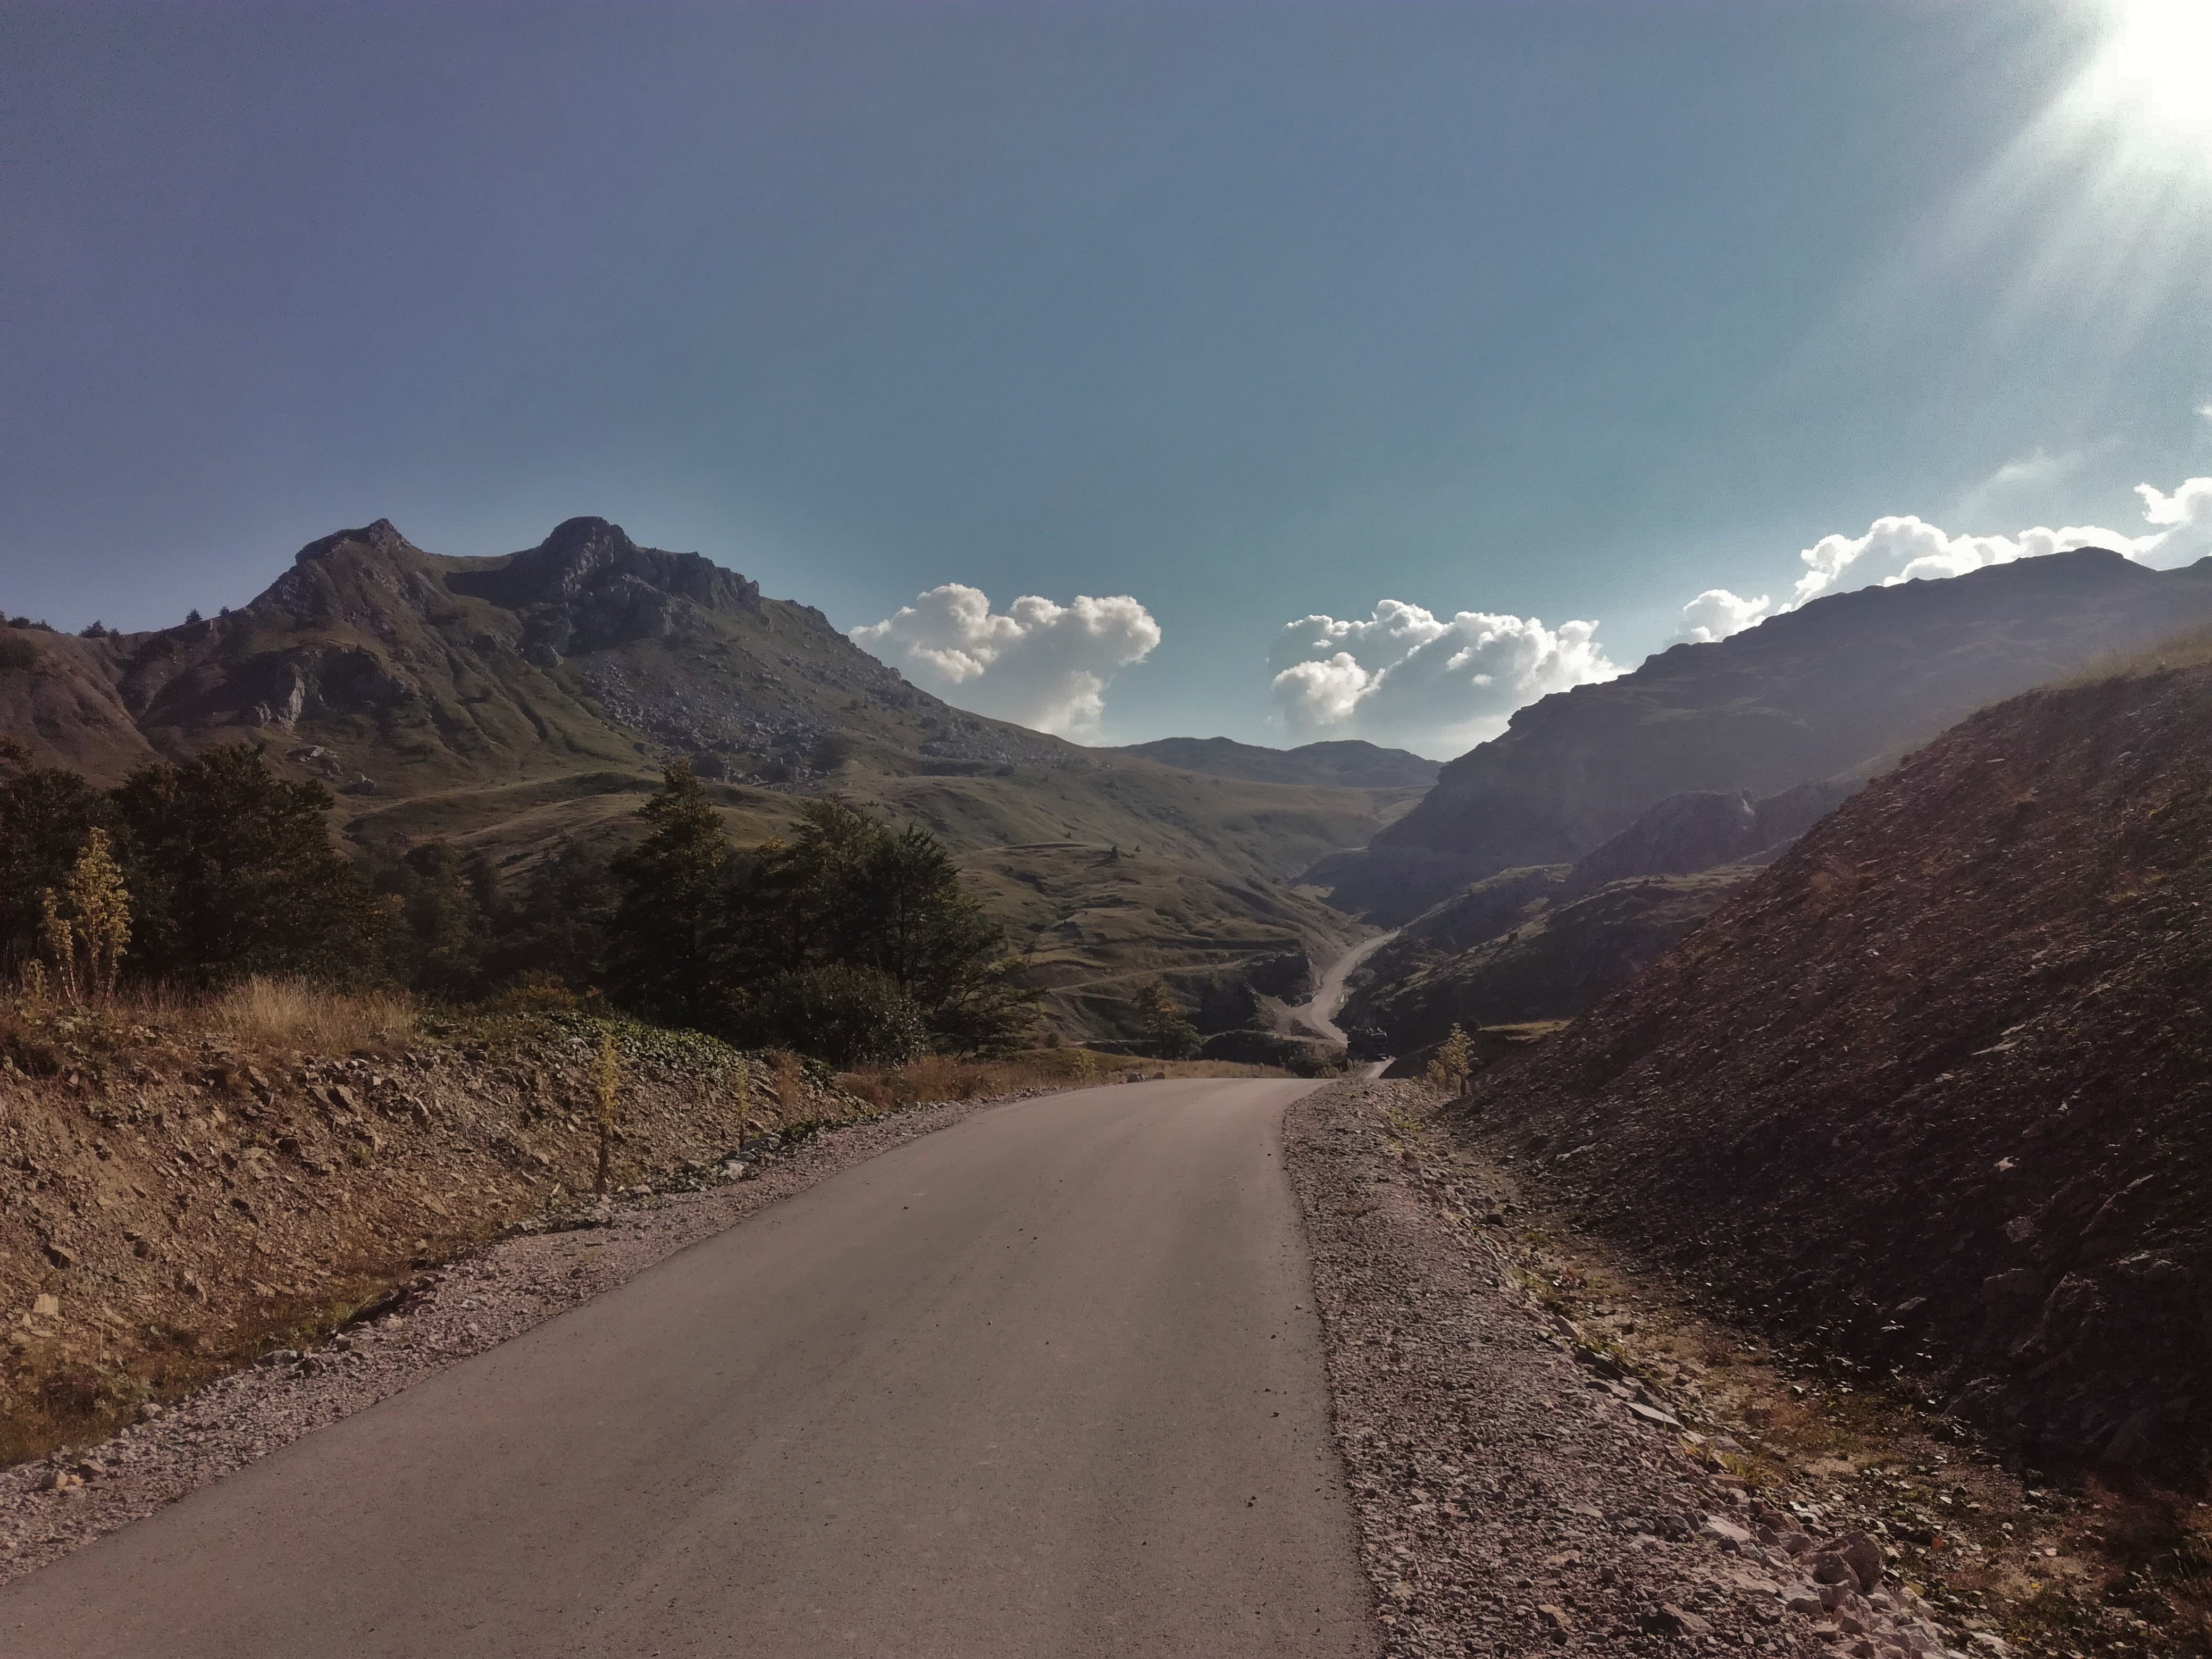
[{"x": 421, "y": 684}]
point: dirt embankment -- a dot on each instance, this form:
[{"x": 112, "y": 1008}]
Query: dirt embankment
[
  {"x": 1933, "y": 1092},
  {"x": 1524, "y": 1483},
  {"x": 173, "y": 1203}
]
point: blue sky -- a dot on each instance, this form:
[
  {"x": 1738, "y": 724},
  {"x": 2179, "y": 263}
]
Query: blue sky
[{"x": 1248, "y": 312}]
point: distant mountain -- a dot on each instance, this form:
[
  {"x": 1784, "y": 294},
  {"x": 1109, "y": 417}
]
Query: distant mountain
[
  {"x": 515, "y": 701},
  {"x": 1835, "y": 691},
  {"x": 1344, "y": 764},
  {"x": 1935, "y": 1089}
]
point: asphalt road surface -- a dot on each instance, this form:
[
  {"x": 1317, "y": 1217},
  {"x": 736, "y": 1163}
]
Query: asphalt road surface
[{"x": 1048, "y": 1383}]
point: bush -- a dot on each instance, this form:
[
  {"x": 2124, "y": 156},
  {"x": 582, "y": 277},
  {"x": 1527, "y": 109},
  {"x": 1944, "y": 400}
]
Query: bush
[
  {"x": 847, "y": 1015},
  {"x": 17, "y": 655}
]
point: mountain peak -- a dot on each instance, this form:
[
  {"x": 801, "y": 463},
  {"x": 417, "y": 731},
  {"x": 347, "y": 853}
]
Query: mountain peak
[{"x": 381, "y": 537}]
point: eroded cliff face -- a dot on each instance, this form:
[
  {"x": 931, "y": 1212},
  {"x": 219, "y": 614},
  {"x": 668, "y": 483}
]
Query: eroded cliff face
[
  {"x": 1937, "y": 1085},
  {"x": 1830, "y": 692}
]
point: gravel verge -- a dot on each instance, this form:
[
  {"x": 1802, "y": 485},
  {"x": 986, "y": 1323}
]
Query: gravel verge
[
  {"x": 1511, "y": 1496},
  {"x": 53, "y": 1506}
]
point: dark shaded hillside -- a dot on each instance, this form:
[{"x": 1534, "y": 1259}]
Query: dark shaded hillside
[
  {"x": 1561, "y": 951},
  {"x": 1937, "y": 1085},
  {"x": 511, "y": 704},
  {"x": 1830, "y": 691},
  {"x": 1347, "y": 763},
  {"x": 1544, "y": 943}
]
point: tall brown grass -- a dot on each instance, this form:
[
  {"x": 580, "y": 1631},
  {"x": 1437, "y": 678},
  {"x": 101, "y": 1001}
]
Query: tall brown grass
[{"x": 293, "y": 1013}]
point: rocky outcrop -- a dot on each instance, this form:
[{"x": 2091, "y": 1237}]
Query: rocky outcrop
[
  {"x": 588, "y": 588},
  {"x": 1834, "y": 690},
  {"x": 1934, "y": 1086}
]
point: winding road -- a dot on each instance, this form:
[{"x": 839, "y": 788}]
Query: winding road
[
  {"x": 1319, "y": 1016},
  {"x": 1046, "y": 1383}
]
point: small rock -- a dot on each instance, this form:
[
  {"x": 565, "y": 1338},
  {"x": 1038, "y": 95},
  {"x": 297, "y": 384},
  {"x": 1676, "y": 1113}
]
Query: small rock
[
  {"x": 59, "y": 1480},
  {"x": 1830, "y": 1568},
  {"x": 1727, "y": 1534},
  {"x": 1667, "y": 1619},
  {"x": 149, "y": 1411},
  {"x": 1810, "y": 1606},
  {"x": 1558, "y": 1618},
  {"x": 1864, "y": 1557},
  {"x": 46, "y": 1307}
]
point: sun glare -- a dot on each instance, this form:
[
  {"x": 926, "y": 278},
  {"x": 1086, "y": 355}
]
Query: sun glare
[{"x": 2159, "y": 60}]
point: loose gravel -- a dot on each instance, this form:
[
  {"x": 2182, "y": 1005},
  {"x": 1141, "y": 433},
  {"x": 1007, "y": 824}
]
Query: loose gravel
[
  {"x": 53, "y": 1506},
  {"x": 1512, "y": 1497}
]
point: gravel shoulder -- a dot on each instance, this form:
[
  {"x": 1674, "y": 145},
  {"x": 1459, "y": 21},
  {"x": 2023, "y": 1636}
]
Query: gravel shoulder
[
  {"x": 54, "y": 1506},
  {"x": 1516, "y": 1488}
]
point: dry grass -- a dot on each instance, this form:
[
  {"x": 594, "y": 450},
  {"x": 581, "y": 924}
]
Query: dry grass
[
  {"x": 291, "y": 1013},
  {"x": 2189, "y": 650},
  {"x": 941, "y": 1077}
]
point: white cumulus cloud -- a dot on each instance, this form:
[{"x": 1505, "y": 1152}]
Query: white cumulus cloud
[
  {"x": 1904, "y": 548},
  {"x": 1716, "y": 613},
  {"x": 1407, "y": 676},
  {"x": 1040, "y": 664}
]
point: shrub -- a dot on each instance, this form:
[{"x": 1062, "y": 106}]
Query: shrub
[{"x": 847, "y": 1015}]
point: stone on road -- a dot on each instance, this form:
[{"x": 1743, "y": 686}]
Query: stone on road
[{"x": 1048, "y": 1383}]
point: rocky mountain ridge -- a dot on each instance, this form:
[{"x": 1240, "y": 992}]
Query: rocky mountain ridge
[{"x": 1830, "y": 692}]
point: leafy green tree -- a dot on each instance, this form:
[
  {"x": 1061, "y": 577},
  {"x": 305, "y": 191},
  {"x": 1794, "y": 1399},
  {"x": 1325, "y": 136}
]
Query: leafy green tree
[
  {"x": 848, "y": 1016},
  {"x": 46, "y": 814},
  {"x": 671, "y": 926},
  {"x": 445, "y": 901},
  {"x": 849, "y": 890},
  {"x": 556, "y": 922},
  {"x": 1160, "y": 1018},
  {"x": 234, "y": 872}
]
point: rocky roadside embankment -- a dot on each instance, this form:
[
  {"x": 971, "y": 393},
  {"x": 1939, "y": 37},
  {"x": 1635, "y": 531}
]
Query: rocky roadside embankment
[
  {"x": 175, "y": 1202},
  {"x": 60, "y": 1503},
  {"x": 1518, "y": 1487}
]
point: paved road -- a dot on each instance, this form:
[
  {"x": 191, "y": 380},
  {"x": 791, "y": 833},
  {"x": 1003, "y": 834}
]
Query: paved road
[
  {"x": 1045, "y": 1383},
  {"x": 1319, "y": 1016}
]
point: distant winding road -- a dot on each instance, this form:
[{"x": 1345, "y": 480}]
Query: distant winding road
[
  {"x": 1319, "y": 1016},
  {"x": 1044, "y": 1384}
]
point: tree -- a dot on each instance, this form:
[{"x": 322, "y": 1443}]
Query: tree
[
  {"x": 850, "y": 891},
  {"x": 671, "y": 917},
  {"x": 1452, "y": 1065},
  {"x": 558, "y": 921},
  {"x": 46, "y": 813},
  {"x": 848, "y": 1016},
  {"x": 234, "y": 873},
  {"x": 89, "y": 920},
  {"x": 1160, "y": 1017},
  {"x": 445, "y": 900}
]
